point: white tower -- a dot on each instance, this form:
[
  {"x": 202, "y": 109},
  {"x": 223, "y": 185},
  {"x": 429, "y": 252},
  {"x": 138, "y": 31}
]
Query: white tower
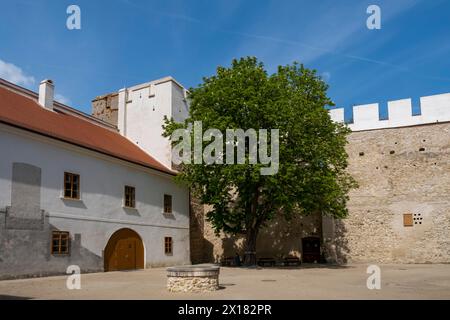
[{"x": 141, "y": 111}]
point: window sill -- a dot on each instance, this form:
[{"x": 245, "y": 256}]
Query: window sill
[
  {"x": 129, "y": 208},
  {"x": 71, "y": 199}
]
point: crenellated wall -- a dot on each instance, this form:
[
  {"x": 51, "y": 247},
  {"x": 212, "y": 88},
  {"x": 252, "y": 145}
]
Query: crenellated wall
[
  {"x": 434, "y": 109},
  {"x": 399, "y": 171},
  {"x": 402, "y": 169}
]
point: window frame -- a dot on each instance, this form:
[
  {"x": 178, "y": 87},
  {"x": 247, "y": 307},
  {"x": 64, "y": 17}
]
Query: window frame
[
  {"x": 168, "y": 246},
  {"x": 72, "y": 184},
  {"x": 164, "y": 204},
  {"x": 58, "y": 236},
  {"x": 126, "y": 204}
]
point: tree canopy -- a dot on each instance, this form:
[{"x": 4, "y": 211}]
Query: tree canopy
[{"x": 312, "y": 174}]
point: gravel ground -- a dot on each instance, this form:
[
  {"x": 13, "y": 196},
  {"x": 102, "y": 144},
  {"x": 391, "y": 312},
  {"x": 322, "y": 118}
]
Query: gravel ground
[{"x": 429, "y": 281}]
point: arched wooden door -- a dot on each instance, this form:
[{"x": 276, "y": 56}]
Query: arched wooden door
[{"x": 124, "y": 251}]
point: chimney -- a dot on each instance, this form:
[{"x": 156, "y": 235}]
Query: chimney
[{"x": 46, "y": 89}]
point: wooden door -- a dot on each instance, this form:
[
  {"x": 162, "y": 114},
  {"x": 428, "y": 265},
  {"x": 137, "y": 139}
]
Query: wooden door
[
  {"x": 311, "y": 249},
  {"x": 124, "y": 251}
]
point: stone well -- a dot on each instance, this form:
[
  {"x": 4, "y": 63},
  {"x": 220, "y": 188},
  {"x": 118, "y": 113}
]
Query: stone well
[{"x": 195, "y": 278}]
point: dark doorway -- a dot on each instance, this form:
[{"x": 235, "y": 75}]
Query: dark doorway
[{"x": 311, "y": 249}]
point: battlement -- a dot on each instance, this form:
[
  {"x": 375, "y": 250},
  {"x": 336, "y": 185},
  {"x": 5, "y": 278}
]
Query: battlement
[{"x": 434, "y": 109}]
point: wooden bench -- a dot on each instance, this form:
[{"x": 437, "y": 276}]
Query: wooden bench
[
  {"x": 266, "y": 262},
  {"x": 228, "y": 261},
  {"x": 289, "y": 261}
]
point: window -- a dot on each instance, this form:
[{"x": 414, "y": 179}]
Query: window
[
  {"x": 407, "y": 220},
  {"x": 71, "y": 186},
  {"x": 168, "y": 245},
  {"x": 167, "y": 203},
  {"x": 129, "y": 197},
  {"x": 60, "y": 242}
]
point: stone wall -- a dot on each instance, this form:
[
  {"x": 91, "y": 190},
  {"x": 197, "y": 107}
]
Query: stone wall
[
  {"x": 106, "y": 108},
  {"x": 278, "y": 240},
  {"x": 196, "y": 231},
  {"x": 197, "y": 278},
  {"x": 399, "y": 171},
  {"x": 192, "y": 284}
]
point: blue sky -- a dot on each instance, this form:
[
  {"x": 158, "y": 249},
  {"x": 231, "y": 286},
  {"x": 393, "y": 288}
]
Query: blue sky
[{"x": 127, "y": 42}]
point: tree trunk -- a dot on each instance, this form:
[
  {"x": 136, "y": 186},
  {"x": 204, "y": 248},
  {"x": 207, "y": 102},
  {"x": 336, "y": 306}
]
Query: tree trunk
[{"x": 250, "y": 247}]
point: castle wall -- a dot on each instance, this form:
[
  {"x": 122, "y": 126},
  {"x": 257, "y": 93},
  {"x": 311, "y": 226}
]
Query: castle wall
[
  {"x": 434, "y": 109},
  {"x": 399, "y": 171},
  {"x": 402, "y": 165},
  {"x": 277, "y": 240}
]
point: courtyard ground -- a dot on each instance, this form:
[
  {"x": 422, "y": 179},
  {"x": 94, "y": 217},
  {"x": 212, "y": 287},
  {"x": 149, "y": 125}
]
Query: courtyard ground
[{"x": 307, "y": 282}]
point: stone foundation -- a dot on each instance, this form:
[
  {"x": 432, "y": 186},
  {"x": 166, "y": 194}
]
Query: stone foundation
[{"x": 195, "y": 278}]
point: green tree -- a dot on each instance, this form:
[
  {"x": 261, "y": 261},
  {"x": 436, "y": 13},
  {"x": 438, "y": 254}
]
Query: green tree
[{"x": 311, "y": 177}]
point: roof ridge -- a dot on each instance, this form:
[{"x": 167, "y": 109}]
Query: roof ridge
[
  {"x": 30, "y": 94},
  {"x": 20, "y": 110}
]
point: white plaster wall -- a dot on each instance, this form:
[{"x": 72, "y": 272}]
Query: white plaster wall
[
  {"x": 180, "y": 109},
  {"x": 144, "y": 113},
  {"x": 100, "y": 211}
]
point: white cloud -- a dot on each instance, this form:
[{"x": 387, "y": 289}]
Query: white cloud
[
  {"x": 14, "y": 74},
  {"x": 62, "y": 99}
]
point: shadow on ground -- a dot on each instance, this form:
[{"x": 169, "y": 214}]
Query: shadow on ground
[
  {"x": 7, "y": 297},
  {"x": 302, "y": 266}
]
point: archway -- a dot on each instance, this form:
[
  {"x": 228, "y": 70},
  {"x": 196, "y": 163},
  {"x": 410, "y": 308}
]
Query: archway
[{"x": 124, "y": 251}]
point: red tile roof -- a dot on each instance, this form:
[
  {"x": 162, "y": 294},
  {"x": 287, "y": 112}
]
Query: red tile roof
[{"x": 24, "y": 112}]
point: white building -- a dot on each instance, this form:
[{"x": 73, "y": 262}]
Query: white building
[{"x": 75, "y": 190}]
